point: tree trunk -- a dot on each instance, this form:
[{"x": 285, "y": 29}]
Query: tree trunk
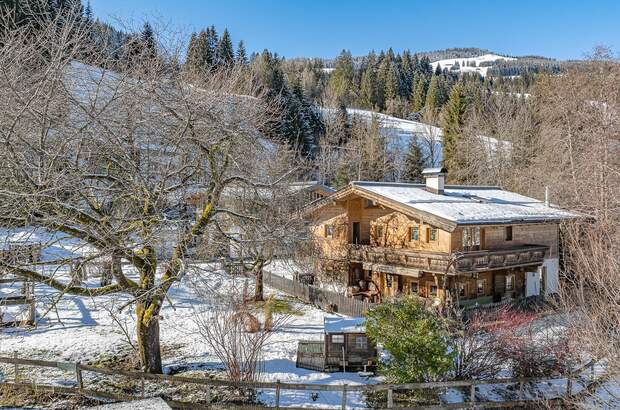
[
  {"x": 258, "y": 289},
  {"x": 148, "y": 340}
]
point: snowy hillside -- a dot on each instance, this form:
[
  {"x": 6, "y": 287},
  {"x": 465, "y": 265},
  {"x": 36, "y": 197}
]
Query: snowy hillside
[
  {"x": 471, "y": 64},
  {"x": 400, "y": 132}
]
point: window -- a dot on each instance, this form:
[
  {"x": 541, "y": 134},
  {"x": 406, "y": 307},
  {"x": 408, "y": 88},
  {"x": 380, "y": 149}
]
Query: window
[
  {"x": 461, "y": 289},
  {"x": 432, "y": 234},
  {"x": 471, "y": 239},
  {"x": 414, "y": 287},
  {"x": 370, "y": 203},
  {"x": 337, "y": 338},
  {"x": 510, "y": 282},
  {"x": 509, "y": 233},
  {"x": 379, "y": 232},
  {"x": 481, "y": 284},
  {"x": 433, "y": 291},
  {"x": 329, "y": 231},
  {"x": 361, "y": 343},
  {"x": 389, "y": 279},
  {"x": 414, "y": 233}
]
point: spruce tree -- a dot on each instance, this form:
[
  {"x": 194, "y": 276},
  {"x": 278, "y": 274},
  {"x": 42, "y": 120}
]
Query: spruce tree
[
  {"x": 433, "y": 95},
  {"x": 414, "y": 163},
  {"x": 392, "y": 86},
  {"x": 418, "y": 95},
  {"x": 211, "y": 41},
  {"x": 453, "y": 119},
  {"x": 341, "y": 80},
  {"x": 241, "y": 57},
  {"x": 438, "y": 70},
  {"x": 225, "y": 53},
  {"x": 147, "y": 38},
  {"x": 368, "y": 88},
  {"x": 406, "y": 75}
]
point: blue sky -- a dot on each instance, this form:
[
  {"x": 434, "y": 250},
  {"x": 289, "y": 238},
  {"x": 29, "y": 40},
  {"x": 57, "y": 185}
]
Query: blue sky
[{"x": 320, "y": 28}]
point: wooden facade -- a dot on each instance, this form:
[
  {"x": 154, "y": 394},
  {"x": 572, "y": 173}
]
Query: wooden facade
[
  {"x": 384, "y": 250},
  {"x": 343, "y": 348}
]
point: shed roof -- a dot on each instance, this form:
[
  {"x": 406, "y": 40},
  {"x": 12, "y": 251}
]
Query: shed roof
[{"x": 337, "y": 324}]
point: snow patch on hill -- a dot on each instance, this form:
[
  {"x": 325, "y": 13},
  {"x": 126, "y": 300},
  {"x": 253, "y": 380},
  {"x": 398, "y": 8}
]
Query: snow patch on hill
[
  {"x": 400, "y": 132},
  {"x": 470, "y": 64}
]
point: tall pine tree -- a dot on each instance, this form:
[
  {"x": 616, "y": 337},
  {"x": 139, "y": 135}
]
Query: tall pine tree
[
  {"x": 225, "y": 53},
  {"x": 414, "y": 163},
  {"x": 241, "y": 57},
  {"x": 453, "y": 120}
]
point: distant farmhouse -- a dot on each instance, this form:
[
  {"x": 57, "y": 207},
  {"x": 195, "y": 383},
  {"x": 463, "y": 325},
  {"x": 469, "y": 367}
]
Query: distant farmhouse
[{"x": 454, "y": 244}]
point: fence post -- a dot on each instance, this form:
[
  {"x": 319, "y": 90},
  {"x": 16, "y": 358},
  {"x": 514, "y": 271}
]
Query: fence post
[
  {"x": 521, "y": 390},
  {"x": 569, "y": 386},
  {"x": 390, "y": 398},
  {"x": 344, "y": 397},
  {"x": 472, "y": 393},
  {"x": 142, "y": 386},
  {"x": 16, "y": 368},
  {"x": 208, "y": 393},
  {"x": 78, "y": 376},
  {"x": 278, "y": 394}
]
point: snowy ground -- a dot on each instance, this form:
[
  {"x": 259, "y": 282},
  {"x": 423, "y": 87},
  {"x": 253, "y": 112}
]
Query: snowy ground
[
  {"x": 81, "y": 329},
  {"x": 464, "y": 63}
]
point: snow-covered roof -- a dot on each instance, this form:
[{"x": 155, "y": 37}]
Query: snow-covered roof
[
  {"x": 310, "y": 185},
  {"x": 337, "y": 324},
  {"x": 432, "y": 171},
  {"x": 468, "y": 205}
]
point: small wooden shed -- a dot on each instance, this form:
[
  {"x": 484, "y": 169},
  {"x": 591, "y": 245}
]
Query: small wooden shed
[{"x": 345, "y": 347}]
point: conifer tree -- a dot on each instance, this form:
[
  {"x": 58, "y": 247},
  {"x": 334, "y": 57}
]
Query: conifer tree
[
  {"x": 368, "y": 88},
  {"x": 414, "y": 163},
  {"x": 453, "y": 120},
  {"x": 241, "y": 57},
  {"x": 433, "y": 95},
  {"x": 341, "y": 81},
  {"x": 211, "y": 41},
  {"x": 418, "y": 94},
  {"x": 438, "y": 70},
  {"x": 392, "y": 86},
  {"x": 147, "y": 38},
  {"x": 225, "y": 53},
  {"x": 406, "y": 75}
]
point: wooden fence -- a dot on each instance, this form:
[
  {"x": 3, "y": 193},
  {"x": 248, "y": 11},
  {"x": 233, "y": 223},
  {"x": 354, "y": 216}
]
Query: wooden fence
[
  {"x": 77, "y": 369},
  {"x": 324, "y": 299},
  {"x": 26, "y": 298}
]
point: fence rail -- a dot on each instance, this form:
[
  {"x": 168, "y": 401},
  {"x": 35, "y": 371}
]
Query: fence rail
[
  {"x": 323, "y": 298},
  {"x": 77, "y": 369}
]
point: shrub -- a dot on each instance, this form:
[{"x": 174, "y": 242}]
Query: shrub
[{"x": 416, "y": 339}]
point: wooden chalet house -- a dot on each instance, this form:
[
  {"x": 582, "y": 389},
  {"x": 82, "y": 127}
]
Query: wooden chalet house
[{"x": 457, "y": 244}]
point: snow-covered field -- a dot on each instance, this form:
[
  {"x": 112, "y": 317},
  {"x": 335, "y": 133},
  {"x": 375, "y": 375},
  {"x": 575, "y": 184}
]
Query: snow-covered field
[
  {"x": 470, "y": 64},
  {"x": 82, "y": 329},
  {"x": 400, "y": 133}
]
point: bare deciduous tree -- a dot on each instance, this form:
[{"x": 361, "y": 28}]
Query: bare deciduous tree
[{"x": 106, "y": 160}]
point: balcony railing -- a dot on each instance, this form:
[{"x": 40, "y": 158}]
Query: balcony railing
[{"x": 460, "y": 262}]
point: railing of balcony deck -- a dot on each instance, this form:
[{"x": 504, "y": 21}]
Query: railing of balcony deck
[{"x": 465, "y": 261}]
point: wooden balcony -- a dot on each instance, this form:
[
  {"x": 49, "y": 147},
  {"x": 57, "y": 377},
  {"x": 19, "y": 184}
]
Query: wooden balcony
[
  {"x": 492, "y": 259},
  {"x": 405, "y": 261}
]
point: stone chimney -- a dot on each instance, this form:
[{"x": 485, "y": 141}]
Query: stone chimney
[{"x": 435, "y": 179}]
